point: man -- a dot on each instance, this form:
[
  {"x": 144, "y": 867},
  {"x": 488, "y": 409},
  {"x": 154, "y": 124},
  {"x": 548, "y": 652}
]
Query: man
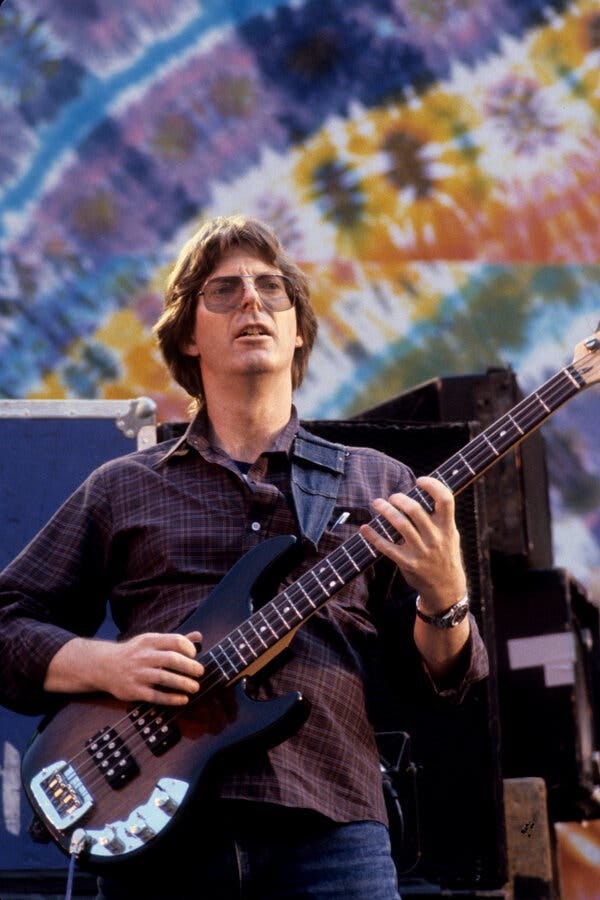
[{"x": 157, "y": 530}]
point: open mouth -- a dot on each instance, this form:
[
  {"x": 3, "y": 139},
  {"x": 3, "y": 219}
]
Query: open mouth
[{"x": 253, "y": 331}]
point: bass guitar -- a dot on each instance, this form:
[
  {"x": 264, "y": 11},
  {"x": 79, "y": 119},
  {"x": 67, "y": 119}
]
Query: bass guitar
[{"x": 110, "y": 779}]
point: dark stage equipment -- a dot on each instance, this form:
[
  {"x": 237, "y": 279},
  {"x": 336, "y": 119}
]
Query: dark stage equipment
[
  {"x": 548, "y": 655},
  {"x": 451, "y": 785}
]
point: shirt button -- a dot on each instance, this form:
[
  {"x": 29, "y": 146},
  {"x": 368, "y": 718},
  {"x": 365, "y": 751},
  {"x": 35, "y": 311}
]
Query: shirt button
[{"x": 255, "y": 526}]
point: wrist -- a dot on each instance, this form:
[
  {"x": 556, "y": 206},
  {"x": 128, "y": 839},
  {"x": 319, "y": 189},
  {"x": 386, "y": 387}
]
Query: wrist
[
  {"x": 80, "y": 666},
  {"x": 449, "y": 617}
]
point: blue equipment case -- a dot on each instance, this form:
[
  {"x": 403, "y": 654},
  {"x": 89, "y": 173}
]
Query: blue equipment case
[{"x": 47, "y": 448}]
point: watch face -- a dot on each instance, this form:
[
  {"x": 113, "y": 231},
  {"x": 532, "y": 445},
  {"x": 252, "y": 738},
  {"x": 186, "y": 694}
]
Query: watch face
[{"x": 456, "y": 616}]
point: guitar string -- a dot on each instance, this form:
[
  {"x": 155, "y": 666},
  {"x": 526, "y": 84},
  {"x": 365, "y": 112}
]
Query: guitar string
[{"x": 550, "y": 396}]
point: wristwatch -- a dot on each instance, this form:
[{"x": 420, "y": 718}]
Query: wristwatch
[{"x": 450, "y": 618}]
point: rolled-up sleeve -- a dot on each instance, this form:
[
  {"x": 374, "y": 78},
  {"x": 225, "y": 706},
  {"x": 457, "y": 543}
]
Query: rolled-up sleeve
[{"x": 473, "y": 666}]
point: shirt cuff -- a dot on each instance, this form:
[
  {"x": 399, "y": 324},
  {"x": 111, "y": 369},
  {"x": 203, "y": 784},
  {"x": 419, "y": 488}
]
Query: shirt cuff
[
  {"x": 472, "y": 666},
  {"x": 40, "y": 643}
]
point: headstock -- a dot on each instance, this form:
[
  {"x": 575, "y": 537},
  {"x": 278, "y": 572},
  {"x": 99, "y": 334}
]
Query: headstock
[{"x": 587, "y": 358}]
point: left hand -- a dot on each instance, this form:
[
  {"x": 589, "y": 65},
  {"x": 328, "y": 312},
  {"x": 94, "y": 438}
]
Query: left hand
[{"x": 429, "y": 556}]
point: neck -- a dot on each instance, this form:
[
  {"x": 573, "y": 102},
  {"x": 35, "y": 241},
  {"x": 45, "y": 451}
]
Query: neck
[{"x": 245, "y": 425}]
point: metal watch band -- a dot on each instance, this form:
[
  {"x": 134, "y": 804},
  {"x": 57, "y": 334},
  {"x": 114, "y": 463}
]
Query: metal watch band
[{"x": 450, "y": 618}]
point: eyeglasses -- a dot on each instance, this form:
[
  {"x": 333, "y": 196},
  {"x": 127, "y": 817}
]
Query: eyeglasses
[{"x": 225, "y": 293}]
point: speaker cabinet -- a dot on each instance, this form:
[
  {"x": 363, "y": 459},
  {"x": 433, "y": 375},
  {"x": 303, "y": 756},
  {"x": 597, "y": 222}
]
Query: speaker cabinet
[
  {"x": 549, "y": 681},
  {"x": 49, "y": 447}
]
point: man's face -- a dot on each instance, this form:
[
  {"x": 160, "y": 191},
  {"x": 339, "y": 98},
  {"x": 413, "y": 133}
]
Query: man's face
[{"x": 249, "y": 340}]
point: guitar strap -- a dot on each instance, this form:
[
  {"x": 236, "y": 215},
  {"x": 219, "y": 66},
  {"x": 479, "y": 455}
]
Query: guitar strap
[{"x": 317, "y": 471}]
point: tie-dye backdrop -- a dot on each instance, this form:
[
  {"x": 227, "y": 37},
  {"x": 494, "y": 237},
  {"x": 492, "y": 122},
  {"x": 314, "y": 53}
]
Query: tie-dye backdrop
[{"x": 433, "y": 164}]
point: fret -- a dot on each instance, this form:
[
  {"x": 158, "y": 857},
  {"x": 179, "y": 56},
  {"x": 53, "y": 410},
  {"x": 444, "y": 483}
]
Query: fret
[
  {"x": 487, "y": 440},
  {"x": 267, "y": 625},
  {"x": 339, "y": 565},
  {"x": 292, "y": 605},
  {"x": 573, "y": 379},
  {"x": 424, "y": 498},
  {"x": 338, "y": 580},
  {"x": 213, "y": 672},
  {"x": 368, "y": 546},
  {"x": 213, "y": 657},
  {"x": 225, "y": 662},
  {"x": 459, "y": 473},
  {"x": 250, "y": 636},
  {"x": 546, "y": 407},
  {"x": 244, "y": 645},
  {"x": 380, "y": 525},
  {"x": 456, "y": 470},
  {"x": 577, "y": 373},
  {"x": 287, "y": 608},
  {"x": 504, "y": 433},
  {"x": 227, "y": 657},
  {"x": 344, "y": 564},
  {"x": 237, "y": 650},
  {"x": 319, "y": 582},
  {"x": 250, "y": 624},
  {"x": 516, "y": 424},
  {"x": 343, "y": 547}
]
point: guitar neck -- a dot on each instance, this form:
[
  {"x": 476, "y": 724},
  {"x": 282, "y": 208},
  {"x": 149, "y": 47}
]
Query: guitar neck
[
  {"x": 265, "y": 628},
  {"x": 509, "y": 430}
]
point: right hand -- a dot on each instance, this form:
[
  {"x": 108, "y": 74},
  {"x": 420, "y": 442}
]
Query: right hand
[
  {"x": 154, "y": 667},
  {"x": 151, "y": 667}
]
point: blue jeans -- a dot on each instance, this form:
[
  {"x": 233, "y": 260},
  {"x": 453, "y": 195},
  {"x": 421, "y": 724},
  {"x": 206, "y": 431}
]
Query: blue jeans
[{"x": 338, "y": 862}]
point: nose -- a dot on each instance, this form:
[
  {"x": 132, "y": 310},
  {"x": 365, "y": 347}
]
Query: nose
[{"x": 250, "y": 296}]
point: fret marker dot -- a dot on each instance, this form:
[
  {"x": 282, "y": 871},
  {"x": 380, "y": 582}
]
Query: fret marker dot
[
  {"x": 263, "y": 628},
  {"x": 502, "y": 433},
  {"x": 286, "y": 609},
  {"x": 455, "y": 471},
  {"x": 332, "y": 584}
]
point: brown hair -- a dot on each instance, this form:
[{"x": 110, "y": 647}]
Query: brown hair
[{"x": 197, "y": 259}]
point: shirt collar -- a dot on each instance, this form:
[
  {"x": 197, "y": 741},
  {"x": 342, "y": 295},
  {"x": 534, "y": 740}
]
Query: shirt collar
[{"x": 196, "y": 438}]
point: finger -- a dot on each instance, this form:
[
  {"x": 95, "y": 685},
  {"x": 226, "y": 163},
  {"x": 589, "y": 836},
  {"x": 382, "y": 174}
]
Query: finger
[
  {"x": 162, "y": 698},
  {"x": 178, "y": 663},
  {"x": 178, "y": 643},
  {"x": 175, "y": 682},
  {"x": 418, "y": 509},
  {"x": 195, "y": 637},
  {"x": 382, "y": 542},
  {"x": 439, "y": 493},
  {"x": 399, "y": 512}
]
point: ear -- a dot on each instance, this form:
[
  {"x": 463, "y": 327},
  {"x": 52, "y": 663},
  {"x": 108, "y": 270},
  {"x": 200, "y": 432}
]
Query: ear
[{"x": 299, "y": 341}]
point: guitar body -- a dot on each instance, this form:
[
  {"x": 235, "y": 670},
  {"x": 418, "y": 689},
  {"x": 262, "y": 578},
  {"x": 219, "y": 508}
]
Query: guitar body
[{"x": 118, "y": 789}]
